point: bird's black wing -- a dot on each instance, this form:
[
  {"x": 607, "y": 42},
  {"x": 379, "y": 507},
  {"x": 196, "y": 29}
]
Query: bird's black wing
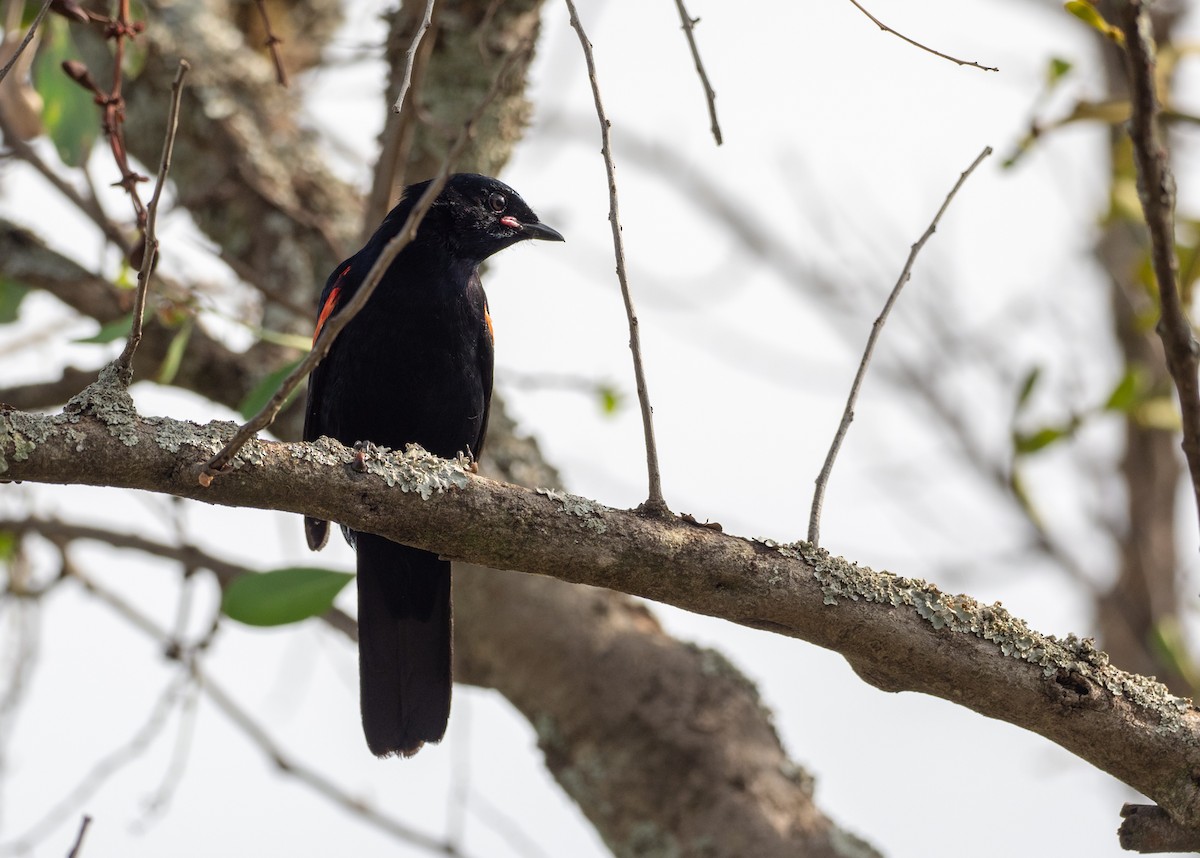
[
  {"x": 316, "y": 531},
  {"x": 485, "y": 355}
]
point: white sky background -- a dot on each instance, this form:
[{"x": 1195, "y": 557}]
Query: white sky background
[{"x": 841, "y": 141}]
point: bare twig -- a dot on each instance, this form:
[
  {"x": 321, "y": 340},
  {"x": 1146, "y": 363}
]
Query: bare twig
[
  {"x": 396, "y": 139},
  {"x": 101, "y": 772},
  {"x": 188, "y": 556},
  {"x": 89, "y": 206},
  {"x": 814, "y": 521},
  {"x": 410, "y": 56},
  {"x": 1156, "y": 188},
  {"x": 710, "y": 95},
  {"x": 159, "y": 801},
  {"x": 312, "y": 778},
  {"x": 37, "y": 21},
  {"x": 150, "y": 238},
  {"x": 272, "y": 43},
  {"x": 654, "y": 504},
  {"x": 917, "y": 44},
  {"x": 331, "y": 329},
  {"x": 83, "y": 823}
]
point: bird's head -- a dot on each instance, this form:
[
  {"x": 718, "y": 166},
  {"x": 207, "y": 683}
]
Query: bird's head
[{"x": 480, "y": 216}]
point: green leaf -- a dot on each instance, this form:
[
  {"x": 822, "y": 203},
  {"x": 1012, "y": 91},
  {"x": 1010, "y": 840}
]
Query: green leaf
[
  {"x": 611, "y": 399},
  {"x": 8, "y": 545},
  {"x": 283, "y": 596},
  {"x": 11, "y": 296},
  {"x": 1031, "y": 442},
  {"x": 1091, "y": 16},
  {"x": 265, "y": 389},
  {"x": 110, "y": 331},
  {"x": 69, "y": 113},
  {"x": 1058, "y": 70},
  {"x": 174, "y": 356},
  {"x": 1127, "y": 393},
  {"x": 1027, "y": 385}
]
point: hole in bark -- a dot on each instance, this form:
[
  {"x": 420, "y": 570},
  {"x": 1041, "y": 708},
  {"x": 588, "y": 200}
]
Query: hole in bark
[{"x": 1073, "y": 683}]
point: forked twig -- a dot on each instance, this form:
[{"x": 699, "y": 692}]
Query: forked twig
[
  {"x": 37, "y": 21},
  {"x": 710, "y": 95},
  {"x": 338, "y": 321},
  {"x": 814, "y": 521},
  {"x": 917, "y": 44},
  {"x": 654, "y": 503},
  {"x": 150, "y": 238}
]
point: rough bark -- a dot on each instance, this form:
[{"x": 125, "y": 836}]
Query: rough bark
[{"x": 898, "y": 634}]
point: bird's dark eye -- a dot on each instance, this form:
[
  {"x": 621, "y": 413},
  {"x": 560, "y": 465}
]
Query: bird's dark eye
[{"x": 497, "y": 201}]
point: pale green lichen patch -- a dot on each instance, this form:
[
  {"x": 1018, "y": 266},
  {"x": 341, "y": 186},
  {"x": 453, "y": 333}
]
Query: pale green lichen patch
[
  {"x": 323, "y": 451},
  {"x": 22, "y": 433},
  {"x": 590, "y": 512},
  {"x": 108, "y": 400},
  {"x": 415, "y": 470},
  {"x": 840, "y": 579},
  {"x": 174, "y": 435},
  {"x": 207, "y": 439}
]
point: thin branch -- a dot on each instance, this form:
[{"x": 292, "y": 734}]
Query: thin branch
[
  {"x": 654, "y": 505},
  {"x": 150, "y": 238},
  {"x": 259, "y": 736},
  {"x": 1156, "y": 188},
  {"x": 917, "y": 44},
  {"x": 410, "y": 56},
  {"x": 312, "y": 778},
  {"x": 710, "y": 95},
  {"x": 89, "y": 206},
  {"x": 396, "y": 139},
  {"x": 188, "y": 556},
  {"x": 37, "y": 21},
  {"x": 83, "y": 825},
  {"x": 814, "y": 521},
  {"x": 101, "y": 772},
  {"x": 333, "y": 327},
  {"x": 272, "y": 43},
  {"x": 112, "y": 103}
]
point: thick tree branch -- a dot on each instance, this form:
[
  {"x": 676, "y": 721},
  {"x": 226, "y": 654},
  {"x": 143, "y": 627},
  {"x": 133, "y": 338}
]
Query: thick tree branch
[
  {"x": 898, "y": 634},
  {"x": 1150, "y": 830}
]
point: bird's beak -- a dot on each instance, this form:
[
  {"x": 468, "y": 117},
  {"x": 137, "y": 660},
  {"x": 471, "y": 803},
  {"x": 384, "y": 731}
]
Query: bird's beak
[{"x": 541, "y": 231}]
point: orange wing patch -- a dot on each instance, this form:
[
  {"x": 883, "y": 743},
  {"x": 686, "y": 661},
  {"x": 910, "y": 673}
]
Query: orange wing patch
[
  {"x": 487, "y": 317},
  {"x": 330, "y": 305}
]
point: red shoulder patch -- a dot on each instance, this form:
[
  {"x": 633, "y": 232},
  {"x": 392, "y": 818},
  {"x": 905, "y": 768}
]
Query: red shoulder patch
[
  {"x": 487, "y": 317},
  {"x": 330, "y": 304}
]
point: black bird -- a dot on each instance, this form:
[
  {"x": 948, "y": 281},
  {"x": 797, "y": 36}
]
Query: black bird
[{"x": 414, "y": 366}]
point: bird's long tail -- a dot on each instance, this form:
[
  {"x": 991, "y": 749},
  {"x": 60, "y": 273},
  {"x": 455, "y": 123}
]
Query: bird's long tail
[{"x": 404, "y": 645}]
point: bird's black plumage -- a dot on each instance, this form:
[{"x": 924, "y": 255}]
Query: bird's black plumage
[{"x": 415, "y": 366}]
